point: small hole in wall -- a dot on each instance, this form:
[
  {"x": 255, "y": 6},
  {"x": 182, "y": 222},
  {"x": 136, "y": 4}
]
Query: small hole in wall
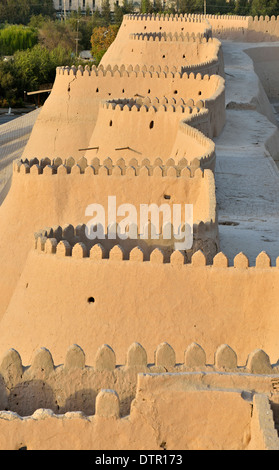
[
  {"x": 97, "y": 90},
  {"x": 91, "y": 300},
  {"x": 163, "y": 56},
  {"x": 123, "y": 91},
  {"x": 199, "y": 93},
  {"x": 110, "y": 123},
  {"x": 166, "y": 196},
  {"x": 151, "y": 125},
  {"x": 175, "y": 92},
  {"x": 23, "y": 448},
  {"x": 148, "y": 91}
]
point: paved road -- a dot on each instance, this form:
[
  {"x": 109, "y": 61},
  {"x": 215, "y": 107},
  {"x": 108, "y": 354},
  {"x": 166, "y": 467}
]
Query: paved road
[
  {"x": 14, "y": 136},
  {"x": 247, "y": 178}
]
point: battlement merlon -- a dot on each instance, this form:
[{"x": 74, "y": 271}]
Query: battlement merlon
[
  {"x": 263, "y": 28},
  {"x": 134, "y": 71},
  {"x": 169, "y": 22},
  {"x": 163, "y": 360},
  {"x": 169, "y": 37},
  {"x": 130, "y": 167}
]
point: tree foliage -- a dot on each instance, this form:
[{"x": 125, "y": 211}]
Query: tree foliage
[
  {"x": 52, "y": 34},
  {"x": 126, "y": 8},
  {"x": 20, "y": 11},
  {"x": 101, "y": 39},
  {"x": 15, "y": 38},
  {"x": 28, "y": 70}
]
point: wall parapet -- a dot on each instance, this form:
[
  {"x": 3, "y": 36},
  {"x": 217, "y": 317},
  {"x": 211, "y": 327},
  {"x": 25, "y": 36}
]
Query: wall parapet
[
  {"x": 188, "y": 20},
  {"x": 47, "y": 243},
  {"x": 129, "y": 167},
  {"x": 163, "y": 17},
  {"x": 267, "y": 27},
  {"x": 164, "y": 360},
  {"x": 155, "y": 105},
  {"x": 171, "y": 37},
  {"x": 131, "y": 71},
  {"x": 63, "y": 384}
]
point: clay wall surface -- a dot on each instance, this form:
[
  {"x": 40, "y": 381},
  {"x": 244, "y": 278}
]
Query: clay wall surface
[
  {"x": 243, "y": 28},
  {"x": 66, "y": 122},
  {"x": 263, "y": 28},
  {"x": 74, "y": 385},
  {"x": 247, "y": 321},
  {"x": 125, "y": 123},
  {"x": 164, "y": 24},
  {"x": 153, "y": 422},
  {"x": 65, "y": 198},
  {"x": 225, "y": 23},
  {"x": 198, "y": 191},
  {"x": 195, "y": 55},
  {"x": 106, "y": 430}
]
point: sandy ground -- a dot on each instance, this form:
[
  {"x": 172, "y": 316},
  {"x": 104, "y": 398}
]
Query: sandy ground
[
  {"x": 247, "y": 178},
  {"x": 14, "y": 135}
]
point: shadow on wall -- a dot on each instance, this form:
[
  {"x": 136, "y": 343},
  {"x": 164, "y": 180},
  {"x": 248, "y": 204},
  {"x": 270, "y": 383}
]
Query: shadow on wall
[
  {"x": 27, "y": 397},
  {"x": 266, "y": 65},
  {"x": 244, "y": 35}
]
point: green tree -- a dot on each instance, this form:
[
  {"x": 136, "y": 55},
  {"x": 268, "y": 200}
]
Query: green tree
[
  {"x": 216, "y": 7},
  {"x": 15, "y": 38},
  {"x": 42, "y": 7},
  {"x": 101, "y": 39},
  {"x": 187, "y": 6},
  {"x": 29, "y": 70},
  {"x": 37, "y": 21},
  {"x": 20, "y": 11},
  {"x": 106, "y": 11},
  {"x": 15, "y": 11},
  {"x": 261, "y": 7},
  {"x": 242, "y": 7},
  {"x": 87, "y": 11},
  {"x": 118, "y": 14},
  {"x": 146, "y": 6},
  {"x": 55, "y": 33},
  {"x": 273, "y": 7},
  {"x": 128, "y": 6}
]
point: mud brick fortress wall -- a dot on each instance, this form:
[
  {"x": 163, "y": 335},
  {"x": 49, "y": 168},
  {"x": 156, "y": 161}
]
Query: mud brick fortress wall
[
  {"x": 248, "y": 28},
  {"x": 104, "y": 340},
  {"x": 78, "y": 400}
]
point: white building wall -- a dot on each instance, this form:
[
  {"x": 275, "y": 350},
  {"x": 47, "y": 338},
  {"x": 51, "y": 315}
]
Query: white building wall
[{"x": 74, "y": 5}]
